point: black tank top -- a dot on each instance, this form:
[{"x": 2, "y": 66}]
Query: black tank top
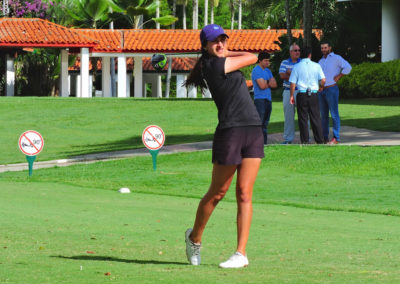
[{"x": 230, "y": 94}]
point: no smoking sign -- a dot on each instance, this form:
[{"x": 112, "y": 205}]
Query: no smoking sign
[
  {"x": 31, "y": 143},
  {"x": 153, "y": 137}
]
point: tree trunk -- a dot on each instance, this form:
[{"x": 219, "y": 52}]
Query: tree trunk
[
  {"x": 173, "y": 12},
  {"x": 232, "y": 8},
  {"x": 288, "y": 25},
  {"x": 205, "y": 12},
  {"x": 195, "y": 14},
  {"x": 212, "y": 12},
  {"x": 184, "y": 16},
  {"x": 157, "y": 16},
  {"x": 240, "y": 15},
  {"x": 307, "y": 23}
]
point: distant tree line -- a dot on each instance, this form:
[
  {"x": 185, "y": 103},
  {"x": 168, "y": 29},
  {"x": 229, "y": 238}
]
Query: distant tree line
[{"x": 353, "y": 28}]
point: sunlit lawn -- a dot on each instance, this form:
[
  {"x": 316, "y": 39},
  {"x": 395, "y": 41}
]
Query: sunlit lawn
[
  {"x": 72, "y": 126},
  {"x": 314, "y": 222}
]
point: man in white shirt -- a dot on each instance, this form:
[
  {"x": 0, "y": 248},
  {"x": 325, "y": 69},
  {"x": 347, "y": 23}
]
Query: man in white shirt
[{"x": 308, "y": 77}]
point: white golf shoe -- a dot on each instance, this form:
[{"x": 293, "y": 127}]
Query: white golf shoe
[
  {"x": 237, "y": 260},
  {"x": 192, "y": 249}
]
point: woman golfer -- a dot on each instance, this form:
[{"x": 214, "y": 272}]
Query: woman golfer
[{"x": 238, "y": 143}]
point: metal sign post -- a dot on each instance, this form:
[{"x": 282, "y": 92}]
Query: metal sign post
[
  {"x": 153, "y": 138},
  {"x": 31, "y": 144}
]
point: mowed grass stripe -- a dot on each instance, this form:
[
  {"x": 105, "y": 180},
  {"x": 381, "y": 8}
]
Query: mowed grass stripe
[
  {"x": 73, "y": 126},
  {"x": 58, "y": 233},
  {"x": 346, "y": 178}
]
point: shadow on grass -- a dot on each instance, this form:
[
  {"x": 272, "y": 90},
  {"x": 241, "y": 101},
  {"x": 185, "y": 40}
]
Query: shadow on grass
[
  {"x": 133, "y": 142},
  {"x": 392, "y": 101},
  {"x": 389, "y": 123},
  {"x": 109, "y": 258}
]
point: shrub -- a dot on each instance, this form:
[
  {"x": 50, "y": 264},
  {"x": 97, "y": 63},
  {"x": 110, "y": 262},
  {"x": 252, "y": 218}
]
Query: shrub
[{"x": 372, "y": 80}]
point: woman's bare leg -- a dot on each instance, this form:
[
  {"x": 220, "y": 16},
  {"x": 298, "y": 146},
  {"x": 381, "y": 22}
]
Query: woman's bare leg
[
  {"x": 246, "y": 176},
  {"x": 221, "y": 180}
]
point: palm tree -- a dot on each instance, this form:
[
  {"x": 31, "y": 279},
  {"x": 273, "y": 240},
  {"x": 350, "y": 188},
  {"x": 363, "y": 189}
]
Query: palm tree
[
  {"x": 91, "y": 13},
  {"x": 183, "y": 3},
  {"x": 205, "y": 12},
  {"x": 134, "y": 13},
  {"x": 214, "y": 4},
  {"x": 307, "y": 23},
  {"x": 195, "y": 14},
  {"x": 288, "y": 26},
  {"x": 239, "y": 14},
  {"x": 232, "y": 8}
]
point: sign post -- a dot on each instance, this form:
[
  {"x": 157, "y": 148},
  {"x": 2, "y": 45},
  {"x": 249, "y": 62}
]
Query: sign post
[
  {"x": 31, "y": 144},
  {"x": 153, "y": 138}
]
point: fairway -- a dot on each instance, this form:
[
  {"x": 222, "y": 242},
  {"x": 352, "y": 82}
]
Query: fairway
[
  {"x": 56, "y": 233},
  {"x": 71, "y": 225}
]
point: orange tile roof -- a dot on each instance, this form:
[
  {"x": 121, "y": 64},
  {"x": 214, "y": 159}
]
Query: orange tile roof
[
  {"x": 179, "y": 64},
  {"x": 153, "y": 41},
  {"x": 33, "y": 32},
  {"x": 187, "y": 41},
  {"x": 108, "y": 40},
  {"x": 23, "y": 32}
]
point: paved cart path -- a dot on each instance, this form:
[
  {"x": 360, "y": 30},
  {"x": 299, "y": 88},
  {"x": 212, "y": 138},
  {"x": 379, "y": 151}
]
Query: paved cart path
[{"x": 349, "y": 136}]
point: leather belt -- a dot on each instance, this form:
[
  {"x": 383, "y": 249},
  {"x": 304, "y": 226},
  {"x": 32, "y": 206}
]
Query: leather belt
[{"x": 327, "y": 87}]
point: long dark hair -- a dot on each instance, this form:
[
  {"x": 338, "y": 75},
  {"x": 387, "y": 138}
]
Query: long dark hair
[{"x": 196, "y": 77}]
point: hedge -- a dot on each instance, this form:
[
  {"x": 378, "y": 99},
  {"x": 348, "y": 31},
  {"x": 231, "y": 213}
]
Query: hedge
[{"x": 372, "y": 80}]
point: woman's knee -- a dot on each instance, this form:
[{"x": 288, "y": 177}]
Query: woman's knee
[
  {"x": 215, "y": 195},
  {"x": 243, "y": 195}
]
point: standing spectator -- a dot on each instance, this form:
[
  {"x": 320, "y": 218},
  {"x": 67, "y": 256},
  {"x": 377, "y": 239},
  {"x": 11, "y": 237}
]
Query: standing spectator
[
  {"x": 308, "y": 77},
  {"x": 334, "y": 67},
  {"x": 263, "y": 81},
  {"x": 288, "y": 108}
]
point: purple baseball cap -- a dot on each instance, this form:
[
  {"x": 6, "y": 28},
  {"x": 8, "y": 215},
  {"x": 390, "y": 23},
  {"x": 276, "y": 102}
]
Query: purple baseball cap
[{"x": 211, "y": 32}]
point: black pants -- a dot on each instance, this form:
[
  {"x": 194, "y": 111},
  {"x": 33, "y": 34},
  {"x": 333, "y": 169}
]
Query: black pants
[{"x": 309, "y": 106}]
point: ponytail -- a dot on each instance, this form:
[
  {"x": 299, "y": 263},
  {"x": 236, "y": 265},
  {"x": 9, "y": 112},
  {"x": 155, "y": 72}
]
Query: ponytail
[{"x": 196, "y": 77}]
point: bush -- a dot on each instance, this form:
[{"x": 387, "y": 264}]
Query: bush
[{"x": 372, "y": 80}]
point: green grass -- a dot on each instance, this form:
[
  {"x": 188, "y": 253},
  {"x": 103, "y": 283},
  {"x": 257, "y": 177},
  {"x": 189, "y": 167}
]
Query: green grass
[
  {"x": 346, "y": 178},
  {"x": 72, "y": 126},
  {"x": 69, "y": 225},
  {"x": 321, "y": 214}
]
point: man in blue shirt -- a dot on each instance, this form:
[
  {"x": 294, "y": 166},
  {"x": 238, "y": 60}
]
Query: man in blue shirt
[
  {"x": 308, "y": 77},
  {"x": 263, "y": 81},
  {"x": 289, "y": 109},
  {"x": 334, "y": 67}
]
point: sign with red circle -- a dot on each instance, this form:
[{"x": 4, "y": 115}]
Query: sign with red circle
[
  {"x": 31, "y": 143},
  {"x": 153, "y": 137}
]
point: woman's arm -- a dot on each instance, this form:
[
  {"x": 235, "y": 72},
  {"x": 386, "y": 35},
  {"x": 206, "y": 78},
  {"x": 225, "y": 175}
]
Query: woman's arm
[{"x": 238, "y": 59}]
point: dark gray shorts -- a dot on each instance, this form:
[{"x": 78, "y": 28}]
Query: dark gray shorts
[{"x": 231, "y": 145}]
